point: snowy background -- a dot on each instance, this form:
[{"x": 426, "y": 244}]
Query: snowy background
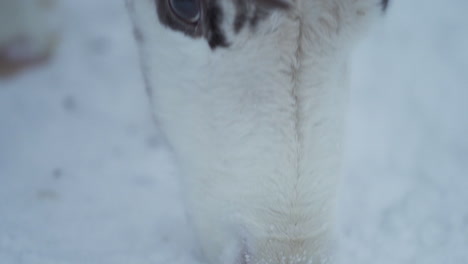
[{"x": 84, "y": 177}]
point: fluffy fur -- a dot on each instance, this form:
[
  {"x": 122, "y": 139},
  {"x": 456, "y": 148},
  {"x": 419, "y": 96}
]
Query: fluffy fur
[{"x": 257, "y": 126}]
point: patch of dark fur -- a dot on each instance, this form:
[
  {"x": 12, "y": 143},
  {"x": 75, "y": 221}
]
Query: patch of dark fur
[
  {"x": 251, "y": 12},
  {"x": 241, "y": 15},
  {"x": 385, "y": 4},
  {"x": 214, "y": 19}
]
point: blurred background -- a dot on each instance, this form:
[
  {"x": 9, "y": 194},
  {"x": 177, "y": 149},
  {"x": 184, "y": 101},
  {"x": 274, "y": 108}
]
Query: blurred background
[{"x": 85, "y": 178}]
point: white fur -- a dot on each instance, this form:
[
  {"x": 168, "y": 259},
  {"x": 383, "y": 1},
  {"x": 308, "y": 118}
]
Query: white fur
[{"x": 257, "y": 127}]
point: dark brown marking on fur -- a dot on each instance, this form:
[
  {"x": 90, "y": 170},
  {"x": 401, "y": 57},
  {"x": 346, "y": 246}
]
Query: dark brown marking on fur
[
  {"x": 241, "y": 15},
  {"x": 10, "y": 66},
  {"x": 214, "y": 19}
]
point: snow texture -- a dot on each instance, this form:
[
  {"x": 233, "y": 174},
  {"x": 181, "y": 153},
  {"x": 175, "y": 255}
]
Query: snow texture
[{"x": 85, "y": 177}]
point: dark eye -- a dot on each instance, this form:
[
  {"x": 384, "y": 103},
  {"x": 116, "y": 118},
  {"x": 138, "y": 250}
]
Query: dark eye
[{"x": 187, "y": 10}]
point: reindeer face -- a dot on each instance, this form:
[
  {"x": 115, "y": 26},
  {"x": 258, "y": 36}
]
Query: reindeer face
[{"x": 250, "y": 94}]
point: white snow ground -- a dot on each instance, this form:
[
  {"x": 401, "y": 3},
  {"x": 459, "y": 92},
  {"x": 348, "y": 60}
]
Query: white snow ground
[{"x": 85, "y": 179}]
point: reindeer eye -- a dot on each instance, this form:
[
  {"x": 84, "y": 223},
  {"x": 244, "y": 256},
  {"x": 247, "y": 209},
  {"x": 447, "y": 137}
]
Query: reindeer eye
[{"x": 187, "y": 10}]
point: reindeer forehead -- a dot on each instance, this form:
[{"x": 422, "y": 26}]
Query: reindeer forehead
[{"x": 214, "y": 14}]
